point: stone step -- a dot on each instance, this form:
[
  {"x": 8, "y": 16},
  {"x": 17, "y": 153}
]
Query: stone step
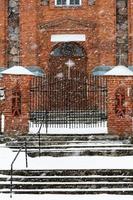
[
  {"x": 74, "y": 145},
  {"x": 71, "y": 185},
  {"x": 71, "y": 144},
  {"x": 70, "y": 173},
  {"x": 59, "y": 140},
  {"x": 94, "y": 181},
  {"x": 123, "y": 191},
  {"x": 80, "y": 153},
  {"x": 76, "y": 136},
  {"x": 4, "y": 139},
  {"x": 62, "y": 139},
  {"x": 69, "y": 150},
  {"x": 61, "y": 179}
]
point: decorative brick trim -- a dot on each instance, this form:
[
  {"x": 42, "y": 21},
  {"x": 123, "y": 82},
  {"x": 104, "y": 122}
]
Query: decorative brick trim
[
  {"x": 122, "y": 32},
  {"x": 13, "y": 32},
  {"x": 120, "y": 105}
]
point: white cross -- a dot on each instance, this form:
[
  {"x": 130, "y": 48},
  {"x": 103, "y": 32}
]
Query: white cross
[{"x": 70, "y": 64}]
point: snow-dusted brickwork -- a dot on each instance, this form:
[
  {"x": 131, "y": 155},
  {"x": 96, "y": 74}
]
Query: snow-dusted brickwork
[
  {"x": 122, "y": 31},
  {"x": 13, "y": 32}
]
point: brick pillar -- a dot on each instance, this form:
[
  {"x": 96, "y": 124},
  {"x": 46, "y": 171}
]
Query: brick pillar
[
  {"x": 3, "y": 32},
  {"x": 16, "y": 121},
  {"x": 120, "y": 105}
]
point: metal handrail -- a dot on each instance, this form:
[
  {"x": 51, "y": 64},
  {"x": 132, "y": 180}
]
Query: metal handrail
[
  {"x": 11, "y": 169},
  {"x": 39, "y": 134},
  {"x": 39, "y": 138}
]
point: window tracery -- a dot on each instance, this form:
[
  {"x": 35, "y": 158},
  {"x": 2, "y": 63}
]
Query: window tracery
[{"x": 68, "y": 49}]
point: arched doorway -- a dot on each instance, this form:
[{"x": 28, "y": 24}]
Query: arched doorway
[
  {"x": 67, "y": 82},
  {"x": 66, "y": 59},
  {"x": 67, "y": 96}
]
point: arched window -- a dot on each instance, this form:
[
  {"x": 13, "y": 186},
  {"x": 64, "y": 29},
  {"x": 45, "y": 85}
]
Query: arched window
[
  {"x": 68, "y": 49},
  {"x": 67, "y": 58}
]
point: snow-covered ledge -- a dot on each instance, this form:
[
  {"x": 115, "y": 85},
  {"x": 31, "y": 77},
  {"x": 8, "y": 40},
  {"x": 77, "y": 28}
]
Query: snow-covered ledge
[
  {"x": 17, "y": 70},
  {"x": 16, "y": 81},
  {"x": 68, "y": 38},
  {"x": 119, "y": 70},
  {"x": 119, "y": 101}
]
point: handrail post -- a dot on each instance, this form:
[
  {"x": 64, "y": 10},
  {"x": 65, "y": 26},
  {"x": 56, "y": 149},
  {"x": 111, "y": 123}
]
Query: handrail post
[
  {"x": 46, "y": 121},
  {"x": 11, "y": 174},
  {"x": 39, "y": 145},
  {"x": 11, "y": 170},
  {"x": 26, "y": 157},
  {"x": 39, "y": 138}
]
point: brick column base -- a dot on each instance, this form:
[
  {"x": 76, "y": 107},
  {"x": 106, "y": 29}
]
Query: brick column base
[
  {"x": 120, "y": 105},
  {"x": 16, "y": 119}
]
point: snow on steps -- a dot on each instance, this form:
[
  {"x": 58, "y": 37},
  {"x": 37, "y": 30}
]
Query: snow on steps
[
  {"x": 75, "y": 145},
  {"x": 4, "y": 139},
  {"x": 98, "y": 181}
]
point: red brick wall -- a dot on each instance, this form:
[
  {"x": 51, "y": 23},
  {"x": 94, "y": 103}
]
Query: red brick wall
[
  {"x": 35, "y": 42},
  {"x": 107, "y": 32},
  {"x": 130, "y": 31},
  {"x": 16, "y": 124},
  {"x": 3, "y": 31},
  {"x": 97, "y": 39},
  {"x": 28, "y": 32},
  {"x": 116, "y": 125},
  {"x": 120, "y": 125}
]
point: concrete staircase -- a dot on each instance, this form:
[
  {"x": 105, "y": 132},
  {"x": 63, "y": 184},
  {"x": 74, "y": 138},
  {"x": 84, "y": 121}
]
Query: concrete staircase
[
  {"x": 74, "y": 145},
  {"x": 71, "y": 181},
  {"x": 5, "y": 139},
  {"x": 109, "y": 181}
]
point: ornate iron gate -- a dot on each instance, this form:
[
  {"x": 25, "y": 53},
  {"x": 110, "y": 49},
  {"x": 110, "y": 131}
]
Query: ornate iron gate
[{"x": 68, "y": 102}]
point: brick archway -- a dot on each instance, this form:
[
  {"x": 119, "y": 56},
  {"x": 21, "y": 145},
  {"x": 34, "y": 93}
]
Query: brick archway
[
  {"x": 66, "y": 59},
  {"x": 67, "y": 69}
]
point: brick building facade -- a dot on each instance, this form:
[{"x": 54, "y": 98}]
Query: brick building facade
[
  {"x": 30, "y": 31},
  {"x": 56, "y": 33}
]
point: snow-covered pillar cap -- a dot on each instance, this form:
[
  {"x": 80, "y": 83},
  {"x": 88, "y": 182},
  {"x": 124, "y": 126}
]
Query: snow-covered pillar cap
[
  {"x": 119, "y": 70},
  {"x": 17, "y": 70}
]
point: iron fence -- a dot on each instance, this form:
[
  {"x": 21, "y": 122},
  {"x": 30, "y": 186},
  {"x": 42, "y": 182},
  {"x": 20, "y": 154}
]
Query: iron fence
[{"x": 62, "y": 102}]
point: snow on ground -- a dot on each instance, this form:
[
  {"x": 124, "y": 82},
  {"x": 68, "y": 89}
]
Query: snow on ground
[
  {"x": 65, "y": 197},
  {"x": 97, "y": 129},
  {"x": 75, "y": 162},
  {"x": 94, "y": 162}
]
